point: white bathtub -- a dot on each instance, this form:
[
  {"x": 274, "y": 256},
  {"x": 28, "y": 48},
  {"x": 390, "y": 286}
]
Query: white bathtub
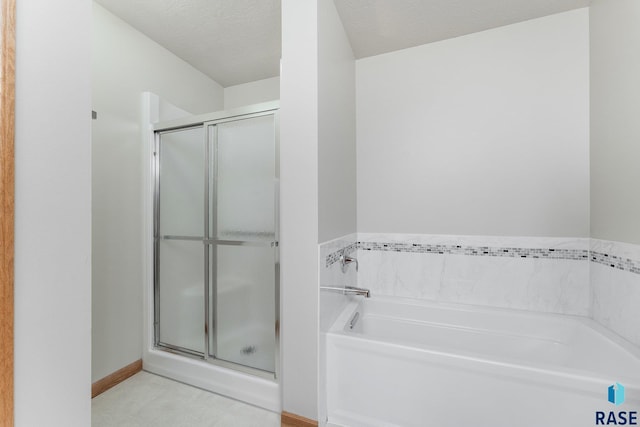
[{"x": 408, "y": 363}]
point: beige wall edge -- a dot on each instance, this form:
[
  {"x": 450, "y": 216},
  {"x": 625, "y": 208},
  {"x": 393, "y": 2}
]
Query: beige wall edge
[{"x": 7, "y": 202}]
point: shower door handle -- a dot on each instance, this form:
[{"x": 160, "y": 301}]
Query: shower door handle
[{"x": 258, "y": 243}]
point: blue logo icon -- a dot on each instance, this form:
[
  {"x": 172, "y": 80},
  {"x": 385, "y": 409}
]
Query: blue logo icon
[{"x": 616, "y": 394}]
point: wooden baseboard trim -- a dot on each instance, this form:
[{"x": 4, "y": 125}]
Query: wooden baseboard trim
[
  {"x": 292, "y": 420},
  {"x": 115, "y": 378}
]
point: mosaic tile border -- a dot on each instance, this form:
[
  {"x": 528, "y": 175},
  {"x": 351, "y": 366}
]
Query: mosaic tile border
[
  {"x": 573, "y": 254},
  {"x": 613, "y": 261},
  {"x": 334, "y": 257}
]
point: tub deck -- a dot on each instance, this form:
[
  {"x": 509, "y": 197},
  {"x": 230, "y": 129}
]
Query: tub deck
[
  {"x": 408, "y": 363},
  {"x": 551, "y": 341}
]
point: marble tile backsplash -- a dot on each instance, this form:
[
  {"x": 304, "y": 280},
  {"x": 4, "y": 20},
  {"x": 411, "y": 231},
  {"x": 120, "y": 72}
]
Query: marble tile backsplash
[
  {"x": 530, "y": 273},
  {"x": 577, "y": 276},
  {"x": 615, "y": 287},
  {"x": 332, "y": 304}
]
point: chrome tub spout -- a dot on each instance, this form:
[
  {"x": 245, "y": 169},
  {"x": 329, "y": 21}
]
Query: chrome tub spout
[
  {"x": 351, "y": 290},
  {"x": 347, "y": 290}
]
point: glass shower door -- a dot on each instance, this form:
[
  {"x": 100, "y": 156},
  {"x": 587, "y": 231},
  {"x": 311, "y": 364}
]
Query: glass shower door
[
  {"x": 180, "y": 255},
  {"x": 244, "y": 241},
  {"x": 216, "y": 241}
]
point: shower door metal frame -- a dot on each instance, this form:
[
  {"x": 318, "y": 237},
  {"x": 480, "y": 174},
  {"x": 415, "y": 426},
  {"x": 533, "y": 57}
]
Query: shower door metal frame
[
  {"x": 156, "y": 244},
  {"x": 208, "y": 122}
]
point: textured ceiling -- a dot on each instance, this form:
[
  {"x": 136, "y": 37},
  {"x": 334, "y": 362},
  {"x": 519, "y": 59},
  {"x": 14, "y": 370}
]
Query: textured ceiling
[
  {"x": 232, "y": 41},
  {"x": 379, "y": 26},
  {"x": 238, "y": 41}
]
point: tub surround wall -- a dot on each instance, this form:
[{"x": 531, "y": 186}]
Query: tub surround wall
[
  {"x": 587, "y": 277},
  {"x": 615, "y": 287},
  {"x": 530, "y": 273},
  {"x": 618, "y": 255},
  {"x": 331, "y": 274}
]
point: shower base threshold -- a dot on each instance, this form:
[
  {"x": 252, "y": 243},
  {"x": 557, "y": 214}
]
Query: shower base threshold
[{"x": 252, "y": 389}]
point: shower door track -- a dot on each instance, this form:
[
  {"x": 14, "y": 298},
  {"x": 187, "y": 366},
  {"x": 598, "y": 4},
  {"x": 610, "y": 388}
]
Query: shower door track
[{"x": 207, "y": 121}]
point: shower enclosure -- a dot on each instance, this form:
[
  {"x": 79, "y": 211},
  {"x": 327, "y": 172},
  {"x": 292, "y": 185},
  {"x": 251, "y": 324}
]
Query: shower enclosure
[{"x": 216, "y": 239}]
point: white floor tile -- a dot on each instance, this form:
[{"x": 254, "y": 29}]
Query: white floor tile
[{"x": 149, "y": 400}]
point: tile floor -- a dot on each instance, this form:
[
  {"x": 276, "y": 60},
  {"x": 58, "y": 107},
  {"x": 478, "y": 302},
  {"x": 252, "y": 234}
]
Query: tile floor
[{"x": 149, "y": 400}]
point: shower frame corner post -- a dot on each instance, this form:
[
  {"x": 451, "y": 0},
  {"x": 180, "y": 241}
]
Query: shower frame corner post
[
  {"x": 210, "y": 195},
  {"x": 156, "y": 239},
  {"x": 210, "y": 237},
  {"x": 276, "y": 184}
]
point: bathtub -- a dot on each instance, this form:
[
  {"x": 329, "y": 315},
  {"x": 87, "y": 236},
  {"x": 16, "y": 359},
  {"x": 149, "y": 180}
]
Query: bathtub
[{"x": 393, "y": 362}]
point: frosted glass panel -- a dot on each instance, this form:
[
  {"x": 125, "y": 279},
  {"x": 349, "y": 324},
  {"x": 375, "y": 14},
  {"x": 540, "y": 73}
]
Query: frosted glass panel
[
  {"x": 245, "y": 320},
  {"x": 182, "y": 294},
  {"x": 246, "y": 179},
  {"x": 241, "y": 201},
  {"x": 182, "y": 166}
]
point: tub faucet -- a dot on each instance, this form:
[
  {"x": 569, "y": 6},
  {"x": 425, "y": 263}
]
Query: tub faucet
[
  {"x": 345, "y": 260},
  {"x": 352, "y": 290},
  {"x": 347, "y": 290}
]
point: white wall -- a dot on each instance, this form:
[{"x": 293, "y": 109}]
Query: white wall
[
  {"x": 299, "y": 207},
  {"x": 125, "y": 64},
  {"x": 336, "y": 127},
  {"x": 252, "y": 93},
  {"x": 615, "y": 128},
  {"x": 317, "y": 152},
  {"x": 53, "y": 214},
  {"x": 482, "y": 134},
  {"x": 615, "y": 155},
  {"x": 336, "y": 168}
]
